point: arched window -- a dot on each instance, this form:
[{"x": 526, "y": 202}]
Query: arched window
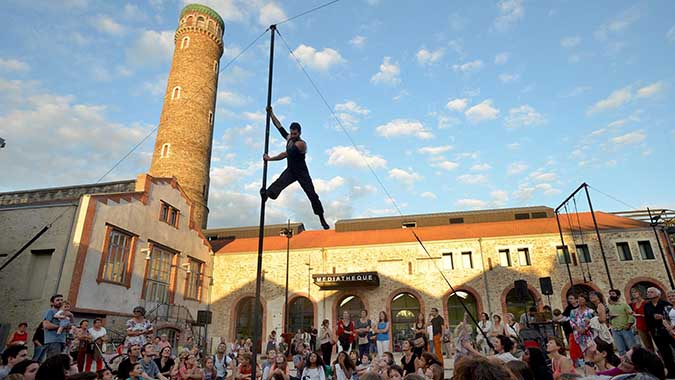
[
  {"x": 455, "y": 309},
  {"x": 185, "y": 42},
  {"x": 190, "y": 20},
  {"x": 211, "y": 25},
  {"x": 245, "y": 315},
  {"x": 579, "y": 289},
  {"x": 166, "y": 150},
  {"x": 351, "y": 304},
  {"x": 300, "y": 314},
  {"x": 643, "y": 285},
  {"x": 517, "y": 305},
  {"x": 404, "y": 310},
  {"x": 210, "y": 117},
  {"x": 175, "y": 93},
  {"x": 200, "y": 21},
  {"x": 215, "y": 66}
]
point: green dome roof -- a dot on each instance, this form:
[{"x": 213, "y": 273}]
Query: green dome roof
[{"x": 203, "y": 9}]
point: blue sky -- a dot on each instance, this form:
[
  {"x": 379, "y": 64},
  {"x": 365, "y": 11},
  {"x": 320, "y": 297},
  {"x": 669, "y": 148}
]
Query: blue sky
[{"x": 457, "y": 105}]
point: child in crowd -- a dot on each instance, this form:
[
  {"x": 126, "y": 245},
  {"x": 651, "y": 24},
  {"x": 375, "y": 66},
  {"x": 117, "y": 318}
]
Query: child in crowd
[
  {"x": 104, "y": 374},
  {"x": 364, "y": 366},
  {"x": 65, "y": 317},
  {"x": 136, "y": 373}
]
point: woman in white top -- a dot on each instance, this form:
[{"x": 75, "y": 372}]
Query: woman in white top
[
  {"x": 485, "y": 325},
  {"x": 327, "y": 340},
  {"x": 670, "y": 323},
  {"x": 314, "y": 369},
  {"x": 94, "y": 355},
  {"x": 343, "y": 367}
]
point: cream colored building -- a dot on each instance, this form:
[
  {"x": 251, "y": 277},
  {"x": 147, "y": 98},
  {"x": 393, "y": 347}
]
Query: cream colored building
[
  {"x": 110, "y": 247},
  {"x": 480, "y": 253}
]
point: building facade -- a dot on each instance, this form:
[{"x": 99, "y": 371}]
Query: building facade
[
  {"x": 360, "y": 265},
  {"x": 110, "y": 247}
]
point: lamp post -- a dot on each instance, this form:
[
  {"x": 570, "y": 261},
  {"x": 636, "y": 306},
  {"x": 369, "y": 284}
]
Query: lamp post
[{"x": 288, "y": 232}]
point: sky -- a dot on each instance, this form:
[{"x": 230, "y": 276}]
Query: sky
[{"x": 454, "y": 105}]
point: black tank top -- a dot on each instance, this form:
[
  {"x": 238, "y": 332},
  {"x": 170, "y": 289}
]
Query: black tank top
[{"x": 296, "y": 158}]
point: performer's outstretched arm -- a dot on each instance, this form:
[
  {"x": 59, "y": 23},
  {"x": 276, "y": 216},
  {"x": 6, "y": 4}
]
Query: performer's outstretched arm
[
  {"x": 278, "y": 157},
  {"x": 277, "y": 123}
]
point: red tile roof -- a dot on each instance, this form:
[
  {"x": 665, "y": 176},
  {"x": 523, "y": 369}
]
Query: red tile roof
[{"x": 330, "y": 238}]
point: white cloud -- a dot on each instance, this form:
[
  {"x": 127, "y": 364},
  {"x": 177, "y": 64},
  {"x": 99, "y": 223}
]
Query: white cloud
[
  {"x": 445, "y": 165},
  {"x": 105, "y": 24},
  {"x": 472, "y": 179},
  {"x": 630, "y": 138},
  {"x": 670, "y": 35},
  {"x": 318, "y": 60},
  {"x": 157, "y": 86},
  {"x": 404, "y": 127},
  {"x": 524, "y": 115},
  {"x": 229, "y": 10},
  {"x": 541, "y": 176},
  {"x": 510, "y": 11},
  {"x": 349, "y": 113},
  {"x": 615, "y": 100},
  {"x": 508, "y": 78},
  {"x": 283, "y": 101},
  {"x": 502, "y": 58},
  {"x": 389, "y": 73},
  {"x": 270, "y": 14},
  {"x": 650, "y": 90},
  {"x": 471, "y": 203},
  {"x": 358, "y": 41},
  {"x": 349, "y": 156},
  {"x": 482, "y": 111},
  {"x": 428, "y": 195},
  {"x": 457, "y": 104},
  {"x": 407, "y": 177},
  {"x": 428, "y": 57},
  {"x": 516, "y": 168},
  {"x": 151, "y": 48},
  {"x": 232, "y": 99},
  {"x": 13, "y": 65},
  {"x": 447, "y": 121},
  {"x": 499, "y": 197},
  {"x": 323, "y": 186},
  {"x": 468, "y": 67},
  {"x": 352, "y": 107},
  {"x": 255, "y": 116},
  {"x": 570, "y": 42},
  {"x": 577, "y": 91},
  {"x": 434, "y": 150},
  {"x": 227, "y": 175},
  {"x": 481, "y": 167},
  {"x": 619, "y": 23}
]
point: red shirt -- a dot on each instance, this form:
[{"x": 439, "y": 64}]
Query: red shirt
[
  {"x": 640, "y": 322},
  {"x": 341, "y": 329},
  {"x": 18, "y": 337}
]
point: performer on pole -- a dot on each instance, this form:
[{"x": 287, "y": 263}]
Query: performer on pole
[{"x": 296, "y": 169}]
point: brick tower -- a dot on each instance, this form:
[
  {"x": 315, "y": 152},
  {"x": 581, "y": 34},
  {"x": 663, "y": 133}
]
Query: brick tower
[{"x": 185, "y": 134}]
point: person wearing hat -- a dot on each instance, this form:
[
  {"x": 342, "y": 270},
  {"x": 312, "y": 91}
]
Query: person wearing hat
[{"x": 138, "y": 328}]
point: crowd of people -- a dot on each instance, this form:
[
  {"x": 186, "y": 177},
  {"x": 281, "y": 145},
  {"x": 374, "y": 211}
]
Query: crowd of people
[{"x": 589, "y": 338}]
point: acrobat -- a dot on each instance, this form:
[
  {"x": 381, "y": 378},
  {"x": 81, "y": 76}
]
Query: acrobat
[{"x": 296, "y": 169}]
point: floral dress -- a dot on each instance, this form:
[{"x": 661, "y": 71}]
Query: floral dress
[
  {"x": 582, "y": 320},
  {"x": 133, "y": 325}
]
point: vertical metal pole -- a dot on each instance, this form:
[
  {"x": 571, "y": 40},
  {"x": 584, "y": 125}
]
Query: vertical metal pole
[
  {"x": 288, "y": 255},
  {"x": 567, "y": 258},
  {"x": 653, "y": 223},
  {"x": 597, "y": 232},
  {"x": 261, "y": 231}
]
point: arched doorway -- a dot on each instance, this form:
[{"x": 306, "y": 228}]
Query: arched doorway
[
  {"x": 351, "y": 304},
  {"x": 300, "y": 314},
  {"x": 643, "y": 285},
  {"x": 517, "y": 306},
  {"x": 404, "y": 310},
  {"x": 245, "y": 317},
  {"x": 455, "y": 309},
  {"x": 579, "y": 289}
]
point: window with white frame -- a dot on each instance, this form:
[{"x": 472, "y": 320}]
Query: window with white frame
[
  {"x": 646, "y": 252},
  {"x": 166, "y": 150},
  {"x": 116, "y": 257},
  {"x": 467, "y": 260},
  {"x": 623, "y": 250},
  {"x": 524, "y": 257},
  {"x": 563, "y": 255},
  {"x": 175, "y": 93},
  {"x": 157, "y": 282},
  {"x": 448, "y": 264},
  {"x": 195, "y": 278},
  {"x": 504, "y": 258},
  {"x": 185, "y": 42}
]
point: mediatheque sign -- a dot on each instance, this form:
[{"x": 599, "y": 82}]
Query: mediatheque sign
[{"x": 346, "y": 280}]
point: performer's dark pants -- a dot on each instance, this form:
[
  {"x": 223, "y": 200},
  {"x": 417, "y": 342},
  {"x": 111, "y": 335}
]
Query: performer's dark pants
[{"x": 302, "y": 176}]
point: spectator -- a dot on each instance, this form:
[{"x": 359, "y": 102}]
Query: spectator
[
  {"x": 527, "y": 318},
  {"x": 313, "y": 333},
  {"x": 127, "y": 365},
  {"x": 638, "y": 307},
  {"x": 138, "y": 328},
  {"x": 477, "y": 367},
  {"x": 644, "y": 362},
  {"x": 327, "y": 341},
  {"x": 497, "y": 326},
  {"x": 395, "y": 373},
  {"x": 98, "y": 335},
  {"x": 503, "y": 346},
  {"x": 136, "y": 372},
  {"x": 104, "y": 374},
  {"x": 536, "y": 360},
  {"x": 437, "y": 323},
  {"x": 12, "y": 356},
  {"x": 163, "y": 342},
  {"x": 363, "y": 326},
  {"x": 20, "y": 336},
  {"x": 420, "y": 340},
  {"x": 56, "y": 367},
  {"x": 244, "y": 371},
  {"x": 655, "y": 310},
  {"x": 150, "y": 368},
  {"x": 382, "y": 331},
  {"x": 408, "y": 358},
  {"x": 82, "y": 343},
  {"x": 580, "y": 319},
  {"x": 26, "y": 368},
  {"x": 55, "y": 343},
  {"x": 485, "y": 325},
  {"x": 345, "y": 332},
  {"x": 430, "y": 362},
  {"x": 210, "y": 372},
  {"x": 272, "y": 341},
  {"x": 560, "y": 364},
  {"x": 221, "y": 361},
  {"x": 279, "y": 368},
  {"x": 343, "y": 367},
  {"x": 511, "y": 328},
  {"x": 520, "y": 370},
  {"x": 622, "y": 320},
  {"x": 38, "y": 343},
  {"x": 571, "y": 305},
  {"x": 314, "y": 369}
]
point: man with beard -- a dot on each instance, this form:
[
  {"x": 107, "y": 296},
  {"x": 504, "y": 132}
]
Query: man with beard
[
  {"x": 622, "y": 320},
  {"x": 655, "y": 310}
]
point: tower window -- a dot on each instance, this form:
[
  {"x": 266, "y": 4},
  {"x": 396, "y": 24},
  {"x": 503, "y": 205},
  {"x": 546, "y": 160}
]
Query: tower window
[
  {"x": 190, "y": 19},
  {"x": 185, "y": 43},
  {"x": 175, "y": 93},
  {"x": 166, "y": 150},
  {"x": 215, "y": 66},
  {"x": 210, "y": 118},
  {"x": 211, "y": 25},
  {"x": 200, "y": 21}
]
